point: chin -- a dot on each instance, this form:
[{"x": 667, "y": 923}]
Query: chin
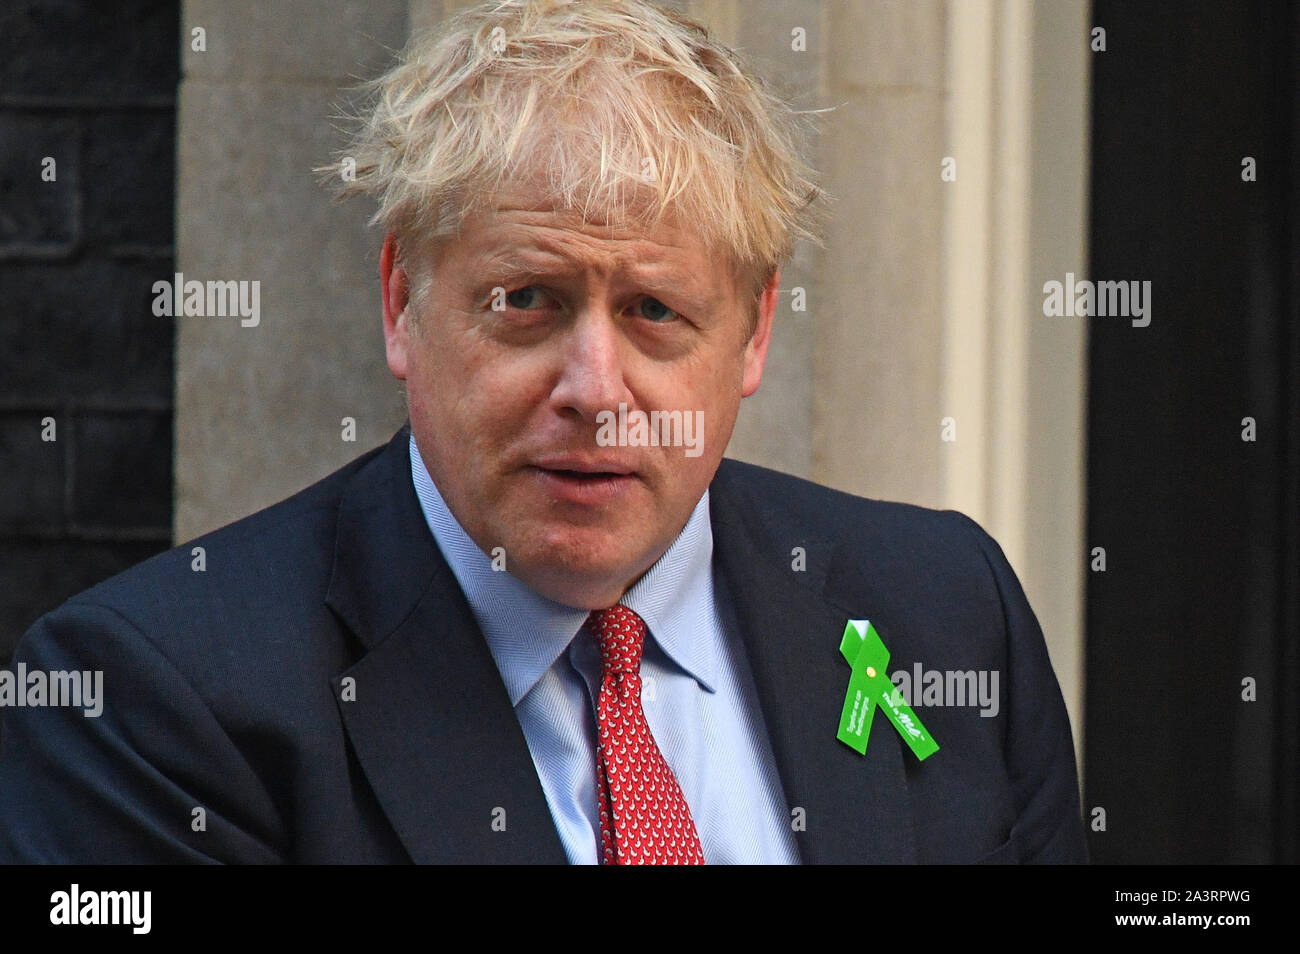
[
  {"x": 584, "y": 586},
  {"x": 588, "y": 554},
  {"x": 582, "y": 567}
]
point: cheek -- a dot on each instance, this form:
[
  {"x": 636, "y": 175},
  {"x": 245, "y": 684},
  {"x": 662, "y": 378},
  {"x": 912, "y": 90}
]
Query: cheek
[
  {"x": 717, "y": 392},
  {"x": 477, "y": 391}
]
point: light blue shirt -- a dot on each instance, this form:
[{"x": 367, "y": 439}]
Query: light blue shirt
[{"x": 698, "y": 693}]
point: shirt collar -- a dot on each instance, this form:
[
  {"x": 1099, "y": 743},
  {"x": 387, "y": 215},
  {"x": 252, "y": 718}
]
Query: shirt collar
[{"x": 526, "y": 632}]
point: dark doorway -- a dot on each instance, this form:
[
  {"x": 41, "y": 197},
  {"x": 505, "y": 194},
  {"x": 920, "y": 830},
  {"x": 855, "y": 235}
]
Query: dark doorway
[
  {"x": 1194, "y": 430},
  {"x": 87, "y": 152}
]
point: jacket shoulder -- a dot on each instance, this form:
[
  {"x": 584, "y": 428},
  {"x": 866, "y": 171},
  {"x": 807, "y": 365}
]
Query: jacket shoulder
[
  {"x": 784, "y": 504},
  {"x": 898, "y": 559},
  {"x": 253, "y": 570}
]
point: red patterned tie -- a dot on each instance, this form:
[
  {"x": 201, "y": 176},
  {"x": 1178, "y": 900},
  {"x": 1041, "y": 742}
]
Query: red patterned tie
[{"x": 644, "y": 818}]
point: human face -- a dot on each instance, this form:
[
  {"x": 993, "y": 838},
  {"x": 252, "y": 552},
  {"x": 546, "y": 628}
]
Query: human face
[{"x": 504, "y": 401}]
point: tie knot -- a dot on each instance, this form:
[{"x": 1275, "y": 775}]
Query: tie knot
[{"x": 620, "y": 633}]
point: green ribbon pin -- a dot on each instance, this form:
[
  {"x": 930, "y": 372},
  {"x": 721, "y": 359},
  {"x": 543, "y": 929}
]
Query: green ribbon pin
[{"x": 869, "y": 686}]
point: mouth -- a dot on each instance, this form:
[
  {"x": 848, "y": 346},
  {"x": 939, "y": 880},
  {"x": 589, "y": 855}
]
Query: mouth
[
  {"x": 584, "y": 482},
  {"x": 583, "y": 474}
]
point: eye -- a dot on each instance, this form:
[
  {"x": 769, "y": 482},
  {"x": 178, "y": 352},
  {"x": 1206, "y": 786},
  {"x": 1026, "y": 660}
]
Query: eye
[
  {"x": 655, "y": 310},
  {"x": 525, "y": 298}
]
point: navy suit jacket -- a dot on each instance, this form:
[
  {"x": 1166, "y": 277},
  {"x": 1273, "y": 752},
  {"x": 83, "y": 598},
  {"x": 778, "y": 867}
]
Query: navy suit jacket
[{"x": 322, "y": 692}]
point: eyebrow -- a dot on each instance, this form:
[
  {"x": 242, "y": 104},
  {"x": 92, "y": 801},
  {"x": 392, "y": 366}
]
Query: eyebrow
[{"x": 513, "y": 264}]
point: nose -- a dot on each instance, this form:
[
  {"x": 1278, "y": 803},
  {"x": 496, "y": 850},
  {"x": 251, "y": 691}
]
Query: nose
[{"x": 591, "y": 373}]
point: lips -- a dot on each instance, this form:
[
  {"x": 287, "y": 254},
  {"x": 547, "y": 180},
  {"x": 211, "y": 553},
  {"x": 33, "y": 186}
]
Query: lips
[
  {"x": 584, "y": 474},
  {"x": 585, "y": 467},
  {"x": 584, "y": 481}
]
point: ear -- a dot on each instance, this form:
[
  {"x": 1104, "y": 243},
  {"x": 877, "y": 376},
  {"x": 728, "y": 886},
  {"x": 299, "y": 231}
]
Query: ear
[
  {"x": 756, "y": 349},
  {"x": 394, "y": 290}
]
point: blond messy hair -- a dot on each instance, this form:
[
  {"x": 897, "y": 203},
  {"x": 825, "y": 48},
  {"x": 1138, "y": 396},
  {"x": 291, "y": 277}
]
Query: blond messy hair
[{"x": 614, "y": 106}]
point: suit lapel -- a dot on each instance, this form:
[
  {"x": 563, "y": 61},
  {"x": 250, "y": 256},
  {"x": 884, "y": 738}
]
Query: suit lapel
[
  {"x": 429, "y": 717},
  {"x": 441, "y": 746},
  {"x": 856, "y": 808}
]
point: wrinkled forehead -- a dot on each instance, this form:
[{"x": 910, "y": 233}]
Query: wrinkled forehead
[
  {"x": 626, "y": 208},
  {"x": 527, "y": 218}
]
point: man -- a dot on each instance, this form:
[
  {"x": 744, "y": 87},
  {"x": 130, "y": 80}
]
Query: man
[{"x": 549, "y": 623}]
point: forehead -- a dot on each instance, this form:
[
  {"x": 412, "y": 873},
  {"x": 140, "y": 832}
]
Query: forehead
[
  {"x": 519, "y": 221},
  {"x": 520, "y": 233}
]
